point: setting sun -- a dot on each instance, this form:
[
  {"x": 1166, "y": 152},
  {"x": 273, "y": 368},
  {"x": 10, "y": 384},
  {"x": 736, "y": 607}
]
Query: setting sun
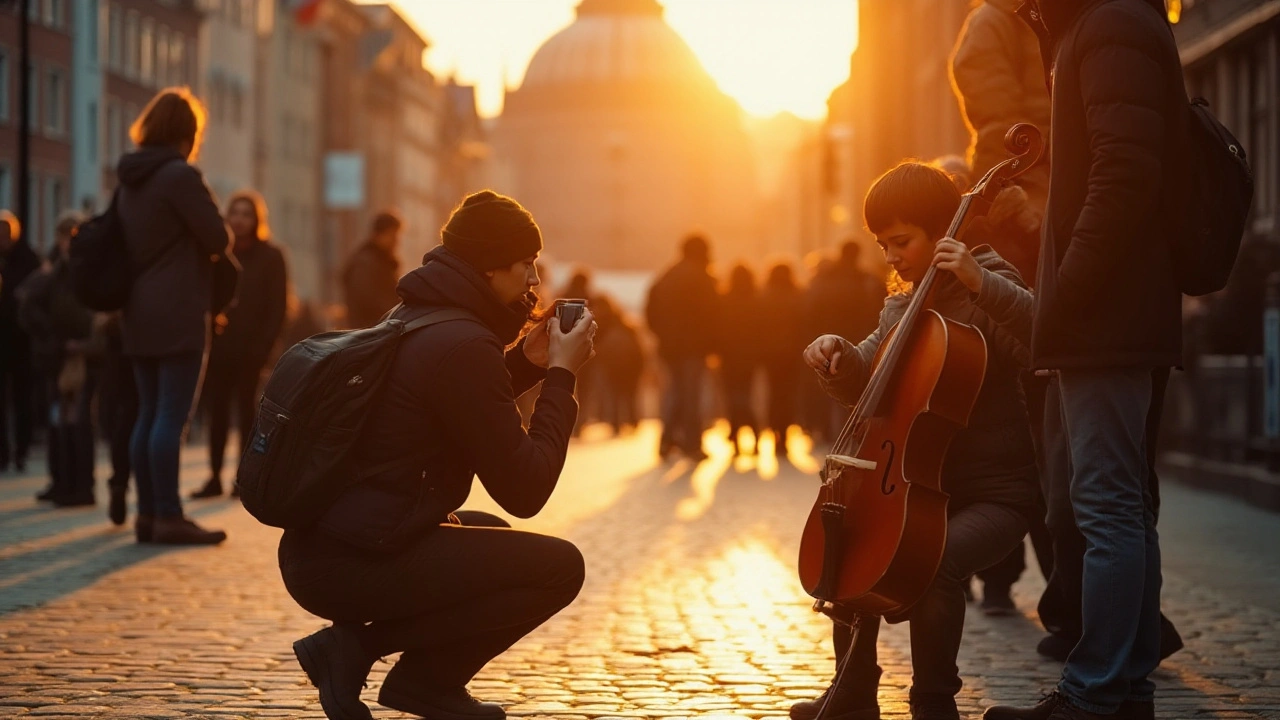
[{"x": 771, "y": 55}]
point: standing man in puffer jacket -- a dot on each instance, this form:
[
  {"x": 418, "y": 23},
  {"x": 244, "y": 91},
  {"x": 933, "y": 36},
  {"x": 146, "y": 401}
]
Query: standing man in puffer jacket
[{"x": 393, "y": 564}]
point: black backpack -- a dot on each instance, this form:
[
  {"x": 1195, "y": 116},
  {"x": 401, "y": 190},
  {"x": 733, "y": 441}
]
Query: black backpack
[
  {"x": 1211, "y": 215},
  {"x": 312, "y": 412},
  {"x": 101, "y": 271}
]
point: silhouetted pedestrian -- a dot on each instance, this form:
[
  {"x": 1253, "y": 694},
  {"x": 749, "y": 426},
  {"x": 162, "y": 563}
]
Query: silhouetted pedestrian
[
  {"x": 741, "y": 339},
  {"x": 17, "y": 262},
  {"x": 245, "y": 334},
  {"x": 681, "y": 314},
  {"x": 370, "y": 277},
  {"x": 175, "y": 232},
  {"x": 780, "y": 333}
]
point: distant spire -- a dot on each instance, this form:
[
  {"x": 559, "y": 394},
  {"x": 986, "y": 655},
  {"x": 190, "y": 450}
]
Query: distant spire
[{"x": 620, "y": 7}]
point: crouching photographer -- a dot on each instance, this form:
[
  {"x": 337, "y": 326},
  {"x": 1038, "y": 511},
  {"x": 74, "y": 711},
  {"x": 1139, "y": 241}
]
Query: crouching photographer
[{"x": 391, "y": 563}]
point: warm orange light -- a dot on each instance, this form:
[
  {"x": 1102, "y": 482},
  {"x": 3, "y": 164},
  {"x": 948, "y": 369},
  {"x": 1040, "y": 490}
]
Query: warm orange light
[{"x": 1174, "y": 7}]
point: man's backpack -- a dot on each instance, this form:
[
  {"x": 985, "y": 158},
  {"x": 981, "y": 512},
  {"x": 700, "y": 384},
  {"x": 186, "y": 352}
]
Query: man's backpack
[
  {"x": 312, "y": 412},
  {"x": 1210, "y": 221},
  {"x": 101, "y": 271}
]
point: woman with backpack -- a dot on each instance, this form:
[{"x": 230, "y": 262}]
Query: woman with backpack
[{"x": 175, "y": 234}]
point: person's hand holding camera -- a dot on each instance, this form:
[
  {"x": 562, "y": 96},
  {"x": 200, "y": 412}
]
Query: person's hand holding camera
[{"x": 572, "y": 350}]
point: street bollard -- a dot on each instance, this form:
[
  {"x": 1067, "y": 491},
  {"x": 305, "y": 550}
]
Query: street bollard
[{"x": 1271, "y": 372}]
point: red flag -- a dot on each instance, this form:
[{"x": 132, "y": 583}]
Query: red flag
[{"x": 305, "y": 12}]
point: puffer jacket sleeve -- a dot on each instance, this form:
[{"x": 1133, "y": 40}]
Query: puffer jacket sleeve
[
  {"x": 853, "y": 370},
  {"x": 1009, "y": 305},
  {"x": 1124, "y": 117},
  {"x": 986, "y": 73},
  {"x": 193, "y": 201},
  {"x": 518, "y": 469}
]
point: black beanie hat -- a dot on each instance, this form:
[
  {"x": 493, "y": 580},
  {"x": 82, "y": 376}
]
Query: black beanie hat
[{"x": 491, "y": 231}]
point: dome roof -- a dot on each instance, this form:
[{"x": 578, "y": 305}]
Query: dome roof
[{"x": 617, "y": 42}]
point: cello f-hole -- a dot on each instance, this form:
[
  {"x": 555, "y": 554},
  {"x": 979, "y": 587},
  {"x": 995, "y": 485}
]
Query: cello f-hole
[{"x": 887, "y": 487}]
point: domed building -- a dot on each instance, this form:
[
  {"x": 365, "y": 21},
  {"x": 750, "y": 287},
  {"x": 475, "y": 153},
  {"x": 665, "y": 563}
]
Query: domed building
[{"x": 620, "y": 143}]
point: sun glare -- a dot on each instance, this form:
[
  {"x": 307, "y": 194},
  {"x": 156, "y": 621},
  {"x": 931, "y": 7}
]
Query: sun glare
[{"x": 770, "y": 55}]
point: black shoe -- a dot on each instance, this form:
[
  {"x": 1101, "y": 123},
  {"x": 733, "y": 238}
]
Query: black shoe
[
  {"x": 211, "y": 489},
  {"x": 997, "y": 603},
  {"x": 75, "y": 499},
  {"x": 47, "y": 494},
  {"x": 143, "y": 526},
  {"x": 337, "y": 665},
  {"x": 401, "y": 691},
  {"x": 939, "y": 709},
  {"x": 1133, "y": 710},
  {"x": 1055, "y": 647},
  {"x": 117, "y": 510},
  {"x": 854, "y": 700},
  {"x": 182, "y": 531},
  {"x": 1054, "y": 707}
]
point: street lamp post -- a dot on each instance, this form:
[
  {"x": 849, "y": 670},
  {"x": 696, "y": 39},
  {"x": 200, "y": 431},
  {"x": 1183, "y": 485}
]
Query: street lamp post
[{"x": 24, "y": 110}]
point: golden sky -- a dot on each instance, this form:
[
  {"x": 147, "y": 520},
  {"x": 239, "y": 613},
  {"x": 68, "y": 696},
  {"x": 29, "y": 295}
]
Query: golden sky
[{"x": 771, "y": 55}]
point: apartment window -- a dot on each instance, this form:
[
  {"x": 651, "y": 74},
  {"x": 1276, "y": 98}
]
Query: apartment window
[
  {"x": 115, "y": 39},
  {"x": 114, "y": 133},
  {"x": 93, "y": 136},
  {"x": 162, "y": 57},
  {"x": 93, "y": 17},
  {"x": 55, "y": 97},
  {"x": 6, "y": 92},
  {"x": 33, "y": 107},
  {"x": 177, "y": 60},
  {"x": 6, "y": 186},
  {"x": 54, "y": 13},
  {"x": 131, "y": 59},
  {"x": 55, "y": 191},
  {"x": 147, "y": 52}
]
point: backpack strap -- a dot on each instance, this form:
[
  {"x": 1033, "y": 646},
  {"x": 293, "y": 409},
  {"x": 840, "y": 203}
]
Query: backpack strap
[{"x": 435, "y": 317}]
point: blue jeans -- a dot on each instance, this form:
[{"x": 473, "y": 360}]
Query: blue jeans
[
  {"x": 682, "y": 404},
  {"x": 1104, "y": 419},
  {"x": 167, "y": 388}
]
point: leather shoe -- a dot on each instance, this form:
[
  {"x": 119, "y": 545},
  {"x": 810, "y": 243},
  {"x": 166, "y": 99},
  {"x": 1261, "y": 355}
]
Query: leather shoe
[
  {"x": 404, "y": 690},
  {"x": 1053, "y": 707},
  {"x": 211, "y": 489},
  {"x": 1134, "y": 710},
  {"x": 337, "y": 665},
  {"x": 47, "y": 494},
  {"x": 76, "y": 499},
  {"x": 181, "y": 531},
  {"x": 143, "y": 526}
]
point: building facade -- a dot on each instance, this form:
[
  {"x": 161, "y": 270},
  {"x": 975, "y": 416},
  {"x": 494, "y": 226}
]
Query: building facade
[
  {"x": 620, "y": 144},
  {"x": 52, "y": 64},
  {"x": 896, "y": 105},
  {"x": 86, "y": 104},
  {"x": 146, "y": 47},
  {"x": 228, "y": 49},
  {"x": 288, "y": 144}
]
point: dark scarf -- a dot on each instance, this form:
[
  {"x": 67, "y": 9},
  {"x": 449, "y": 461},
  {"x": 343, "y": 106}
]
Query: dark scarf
[{"x": 446, "y": 280}]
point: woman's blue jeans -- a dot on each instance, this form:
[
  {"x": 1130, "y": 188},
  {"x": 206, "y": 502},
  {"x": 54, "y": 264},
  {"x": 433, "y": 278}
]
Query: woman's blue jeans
[{"x": 167, "y": 388}]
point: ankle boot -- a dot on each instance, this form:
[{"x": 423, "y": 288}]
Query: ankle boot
[
  {"x": 855, "y": 699},
  {"x": 407, "y": 691},
  {"x": 179, "y": 530},
  {"x": 211, "y": 489},
  {"x": 117, "y": 508},
  {"x": 337, "y": 665},
  {"x": 143, "y": 528}
]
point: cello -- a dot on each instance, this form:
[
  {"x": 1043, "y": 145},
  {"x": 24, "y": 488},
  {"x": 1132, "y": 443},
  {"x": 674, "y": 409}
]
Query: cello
[{"x": 874, "y": 539}]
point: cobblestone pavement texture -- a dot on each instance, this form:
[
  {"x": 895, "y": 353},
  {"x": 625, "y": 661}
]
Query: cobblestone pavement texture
[{"x": 691, "y": 608}]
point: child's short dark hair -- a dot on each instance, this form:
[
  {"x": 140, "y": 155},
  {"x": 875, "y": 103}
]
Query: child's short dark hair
[{"x": 912, "y": 193}]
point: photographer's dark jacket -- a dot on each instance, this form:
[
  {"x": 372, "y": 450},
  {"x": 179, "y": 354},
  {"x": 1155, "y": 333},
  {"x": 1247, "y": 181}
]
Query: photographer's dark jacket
[
  {"x": 450, "y": 402},
  {"x": 1105, "y": 292},
  {"x": 992, "y": 458}
]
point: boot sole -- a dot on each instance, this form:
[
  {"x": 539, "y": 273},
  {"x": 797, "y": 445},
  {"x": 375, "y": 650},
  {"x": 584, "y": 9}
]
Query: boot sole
[
  {"x": 413, "y": 706},
  {"x": 318, "y": 674}
]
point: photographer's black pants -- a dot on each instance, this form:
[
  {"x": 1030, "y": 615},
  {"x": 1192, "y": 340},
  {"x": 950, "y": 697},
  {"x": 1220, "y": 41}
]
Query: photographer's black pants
[{"x": 451, "y": 602}]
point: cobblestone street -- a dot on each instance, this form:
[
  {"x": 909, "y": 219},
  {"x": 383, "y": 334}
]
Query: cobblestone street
[{"x": 691, "y": 608}]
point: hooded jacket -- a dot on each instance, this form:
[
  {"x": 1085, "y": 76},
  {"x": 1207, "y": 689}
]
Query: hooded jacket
[
  {"x": 992, "y": 457},
  {"x": 997, "y": 76},
  {"x": 1106, "y": 294},
  {"x": 449, "y": 408},
  {"x": 254, "y": 321},
  {"x": 175, "y": 233},
  {"x": 369, "y": 285},
  {"x": 681, "y": 311}
]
